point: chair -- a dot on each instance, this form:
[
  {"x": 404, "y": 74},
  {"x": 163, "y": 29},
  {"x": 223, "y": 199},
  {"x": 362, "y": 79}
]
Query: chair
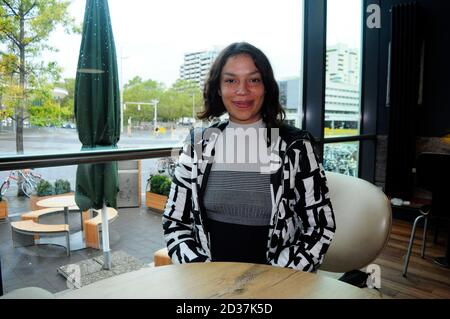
[
  {"x": 433, "y": 174},
  {"x": 28, "y": 293},
  {"x": 363, "y": 224}
]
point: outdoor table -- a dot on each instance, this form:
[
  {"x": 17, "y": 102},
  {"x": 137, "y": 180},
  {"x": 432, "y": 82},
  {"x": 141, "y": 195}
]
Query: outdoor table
[
  {"x": 76, "y": 239},
  {"x": 219, "y": 280}
]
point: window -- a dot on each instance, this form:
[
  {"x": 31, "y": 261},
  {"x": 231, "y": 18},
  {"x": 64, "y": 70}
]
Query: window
[
  {"x": 343, "y": 84},
  {"x": 157, "y": 44},
  {"x": 154, "y": 53}
]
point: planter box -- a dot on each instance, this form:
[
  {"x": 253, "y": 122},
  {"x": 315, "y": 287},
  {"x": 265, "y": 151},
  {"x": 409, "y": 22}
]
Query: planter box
[
  {"x": 155, "y": 201},
  {"x": 34, "y": 199},
  {"x": 3, "y": 209}
]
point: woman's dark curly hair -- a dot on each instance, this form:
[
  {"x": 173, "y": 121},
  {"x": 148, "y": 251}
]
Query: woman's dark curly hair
[{"x": 271, "y": 111}]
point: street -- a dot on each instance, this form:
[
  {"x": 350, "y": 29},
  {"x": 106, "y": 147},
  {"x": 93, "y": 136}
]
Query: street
[{"x": 62, "y": 140}]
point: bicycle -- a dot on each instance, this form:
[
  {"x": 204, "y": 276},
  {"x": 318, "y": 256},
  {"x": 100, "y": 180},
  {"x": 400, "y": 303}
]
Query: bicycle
[
  {"x": 29, "y": 179},
  {"x": 163, "y": 165},
  {"x": 166, "y": 164}
]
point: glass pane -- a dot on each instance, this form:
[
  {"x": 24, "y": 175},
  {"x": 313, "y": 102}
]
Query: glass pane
[
  {"x": 343, "y": 68},
  {"x": 164, "y": 50},
  {"x": 136, "y": 231},
  {"x": 341, "y": 158}
]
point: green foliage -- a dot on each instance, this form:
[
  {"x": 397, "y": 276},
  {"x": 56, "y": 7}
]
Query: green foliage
[
  {"x": 44, "y": 188},
  {"x": 174, "y": 103},
  {"x": 25, "y": 28},
  {"x": 165, "y": 187},
  {"x": 62, "y": 186},
  {"x": 160, "y": 184}
]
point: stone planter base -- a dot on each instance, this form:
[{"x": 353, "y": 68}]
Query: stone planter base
[
  {"x": 3, "y": 209},
  {"x": 155, "y": 201}
]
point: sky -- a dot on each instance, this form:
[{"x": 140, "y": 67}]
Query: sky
[{"x": 152, "y": 36}]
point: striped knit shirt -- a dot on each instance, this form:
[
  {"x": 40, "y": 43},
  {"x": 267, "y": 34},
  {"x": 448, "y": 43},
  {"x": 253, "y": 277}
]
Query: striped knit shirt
[{"x": 237, "y": 197}]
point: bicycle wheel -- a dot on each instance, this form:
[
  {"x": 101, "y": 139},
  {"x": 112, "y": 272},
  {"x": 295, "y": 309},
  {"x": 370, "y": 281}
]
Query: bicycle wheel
[
  {"x": 27, "y": 188},
  {"x": 161, "y": 165},
  {"x": 35, "y": 178},
  {"x": 171, "y": 169},
  {"x": 4, "y": 187}
]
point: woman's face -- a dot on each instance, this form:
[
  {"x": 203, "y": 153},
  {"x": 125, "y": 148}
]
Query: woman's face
[{"x": 242, "y": 89}]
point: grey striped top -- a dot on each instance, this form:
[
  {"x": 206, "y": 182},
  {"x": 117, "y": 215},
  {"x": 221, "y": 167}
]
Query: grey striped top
[{"x": 237, "y": 190}]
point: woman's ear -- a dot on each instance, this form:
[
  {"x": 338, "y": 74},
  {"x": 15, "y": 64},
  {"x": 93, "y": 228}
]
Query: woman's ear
[{"x": 220, "y": 93}]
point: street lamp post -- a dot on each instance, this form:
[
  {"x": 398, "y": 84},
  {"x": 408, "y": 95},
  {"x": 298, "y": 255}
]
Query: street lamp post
[
  {"x": 122, "y": 106},
  {"x": 193, "y": 108},
  {"x": 155, "y": 104}
]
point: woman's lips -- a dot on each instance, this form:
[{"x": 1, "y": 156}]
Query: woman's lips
[{"x": 243, "y": 104}]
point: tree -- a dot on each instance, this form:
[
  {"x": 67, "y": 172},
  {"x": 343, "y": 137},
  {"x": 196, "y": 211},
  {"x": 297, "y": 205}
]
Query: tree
[
  {"x": 137, "y": 90},
  {"x": 174, "y": 103},
  {"x": 25, "y": 27}
]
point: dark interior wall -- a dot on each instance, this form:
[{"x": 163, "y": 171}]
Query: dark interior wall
[{"x": 434, "y": 114}]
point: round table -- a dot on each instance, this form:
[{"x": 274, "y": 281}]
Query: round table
[
  {"x": 218, "y": 280},
  {"x": 66, "y": 202},
  {"x": 59, "y": 202}
]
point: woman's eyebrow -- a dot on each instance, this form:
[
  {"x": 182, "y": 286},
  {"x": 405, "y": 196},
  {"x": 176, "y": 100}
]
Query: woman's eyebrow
[{"x": 233, "y": 74}]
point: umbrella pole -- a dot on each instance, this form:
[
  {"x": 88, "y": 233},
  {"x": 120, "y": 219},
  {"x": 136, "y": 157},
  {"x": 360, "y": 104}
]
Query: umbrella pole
[{"x": 105, "y": 239}]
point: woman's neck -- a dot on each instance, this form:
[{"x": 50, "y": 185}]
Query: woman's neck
[{"x": 257, "y": 124}]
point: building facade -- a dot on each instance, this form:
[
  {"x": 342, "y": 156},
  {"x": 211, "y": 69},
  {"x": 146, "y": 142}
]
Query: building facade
[{"x": 196, "y": 65}]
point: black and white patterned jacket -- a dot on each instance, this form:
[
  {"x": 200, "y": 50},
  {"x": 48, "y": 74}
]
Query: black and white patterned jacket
[{"x": 302, "y": 224}]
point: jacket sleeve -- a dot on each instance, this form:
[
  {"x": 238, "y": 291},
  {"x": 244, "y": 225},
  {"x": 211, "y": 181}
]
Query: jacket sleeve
[
  {"x": 178, "y": 220},
  {"x": 313, "y": 212}
]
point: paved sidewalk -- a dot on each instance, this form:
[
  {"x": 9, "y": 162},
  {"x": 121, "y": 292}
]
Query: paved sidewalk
[{"x": 136, "y": 231}]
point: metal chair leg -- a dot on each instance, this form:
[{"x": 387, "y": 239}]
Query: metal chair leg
[
  {"x": 436, "y": 232},
  {"x": 424, "y": 237},
  {"x": 68, "y": 243},
  {"x": 411, "y": 240},
  {"x": 1, "y": 279}
]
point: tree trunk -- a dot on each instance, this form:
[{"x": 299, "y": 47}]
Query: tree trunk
[{"x": 20, "y": 109}]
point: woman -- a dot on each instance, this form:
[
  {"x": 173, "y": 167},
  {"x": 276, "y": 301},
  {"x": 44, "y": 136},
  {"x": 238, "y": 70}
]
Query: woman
[{"x": 225, "y": 203}]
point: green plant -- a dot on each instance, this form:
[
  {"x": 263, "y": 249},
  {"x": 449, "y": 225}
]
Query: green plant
[
  {"x": 62, "y": 186},
  {"x": 44, "y": 188},
  {"x": 160, "y": 184}
]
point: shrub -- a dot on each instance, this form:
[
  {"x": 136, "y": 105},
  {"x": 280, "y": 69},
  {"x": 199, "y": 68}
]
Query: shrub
[
  {"x": 44, "y": 188},
  {"x": 160, "y": 184},
  {"x": 165, "y": 187},
  {"x": 62, "y": 186}
]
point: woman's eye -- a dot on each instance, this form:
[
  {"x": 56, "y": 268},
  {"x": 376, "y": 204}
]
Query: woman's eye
[
  {"x": 229, "y": 81},
  {"x": 257, "y": 80}
]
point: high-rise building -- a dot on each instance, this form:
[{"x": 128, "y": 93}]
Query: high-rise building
[
  {"x": 342, "y": 64},
  {"x": 290, "y": 99},
  {"x": 341, "y": 105},
  {"x": 197, "y": 64},
  {"x": 342, "y": 94}
]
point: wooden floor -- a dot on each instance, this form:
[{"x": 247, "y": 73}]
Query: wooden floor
[{"x": 424, "y": 278}]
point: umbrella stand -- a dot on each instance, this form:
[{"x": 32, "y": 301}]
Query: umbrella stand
[{"x": 105, "y": 239}]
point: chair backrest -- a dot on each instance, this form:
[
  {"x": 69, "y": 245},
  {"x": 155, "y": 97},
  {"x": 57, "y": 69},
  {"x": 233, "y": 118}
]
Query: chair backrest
[{"x": 363, "y": 223}]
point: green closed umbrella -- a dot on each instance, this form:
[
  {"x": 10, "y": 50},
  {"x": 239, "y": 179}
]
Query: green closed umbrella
[{"x": 97, "y": 111}]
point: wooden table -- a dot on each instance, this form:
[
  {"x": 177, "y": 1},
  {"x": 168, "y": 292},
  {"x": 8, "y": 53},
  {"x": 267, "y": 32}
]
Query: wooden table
[
  {"x": 59, "y": 202},
  {"x": 218, "y": 280},
  {"x": 76, "y": 239}
]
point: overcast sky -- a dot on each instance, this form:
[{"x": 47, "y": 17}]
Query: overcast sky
[{"x": 152, "y": 36}]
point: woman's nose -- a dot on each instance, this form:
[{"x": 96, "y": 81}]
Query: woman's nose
[{"x": 242, "y": 88}]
